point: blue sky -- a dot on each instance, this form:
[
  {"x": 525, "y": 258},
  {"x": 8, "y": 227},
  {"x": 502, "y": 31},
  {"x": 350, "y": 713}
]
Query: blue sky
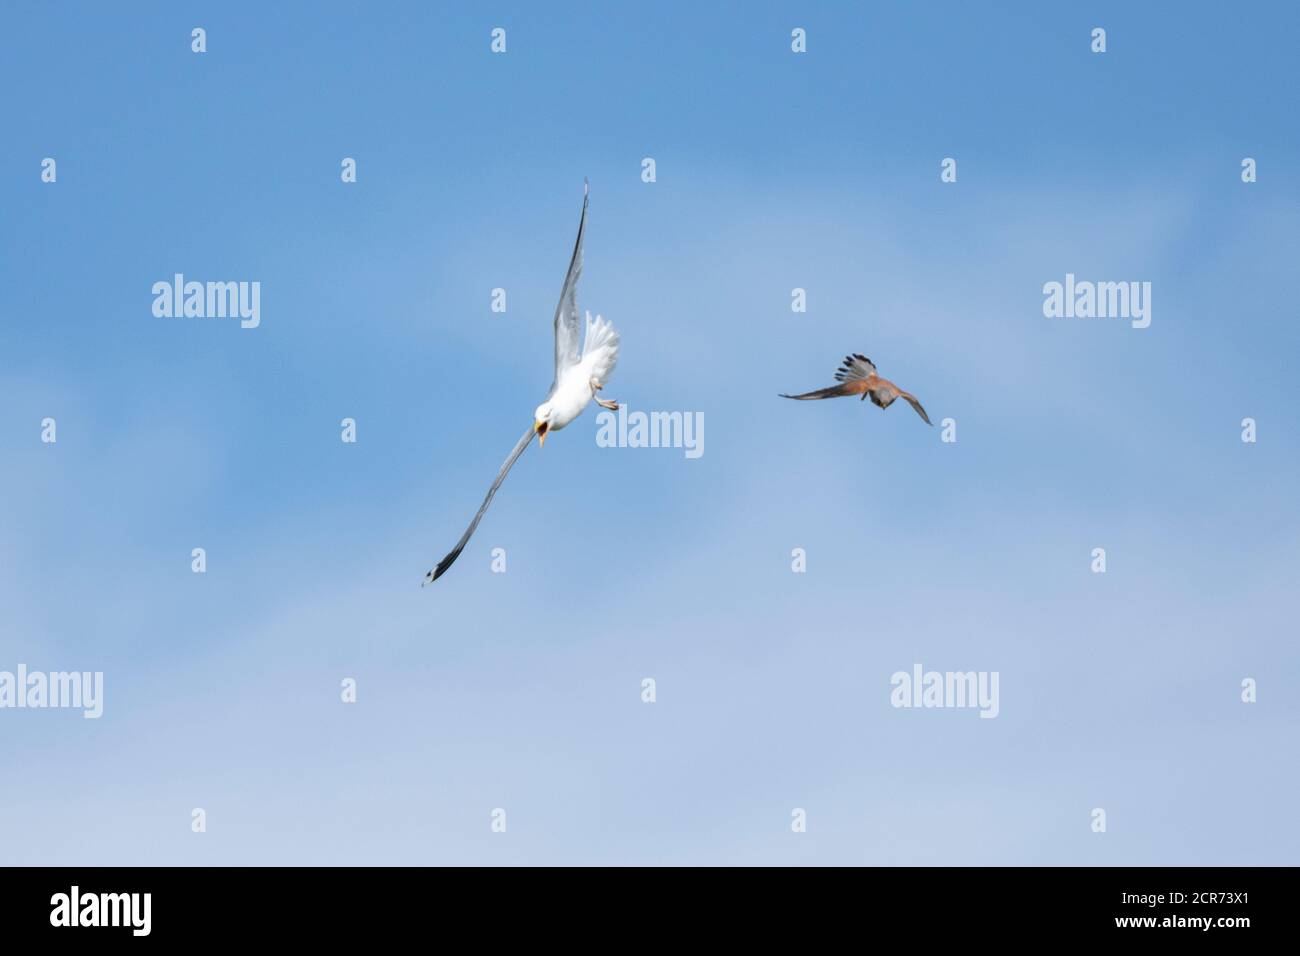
[{"x": 522, "y": 690}]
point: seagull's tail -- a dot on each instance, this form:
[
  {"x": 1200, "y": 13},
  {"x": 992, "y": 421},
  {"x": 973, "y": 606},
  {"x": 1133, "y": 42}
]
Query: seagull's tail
[{"x": 600, "y": 348}]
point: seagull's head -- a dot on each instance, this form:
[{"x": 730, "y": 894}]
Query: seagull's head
[{"x": 542, "y": 421}]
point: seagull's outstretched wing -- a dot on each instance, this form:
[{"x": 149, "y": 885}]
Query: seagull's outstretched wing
[
  {"x": 454, "y": 553},
  {"x": 567, "y": 332}
]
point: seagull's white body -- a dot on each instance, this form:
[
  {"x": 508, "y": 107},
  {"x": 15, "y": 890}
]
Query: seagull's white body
[
  {"x": 578, "y": 381},
  {"x": 572, "y": 395},
  {"x": 579, "y": 375}
]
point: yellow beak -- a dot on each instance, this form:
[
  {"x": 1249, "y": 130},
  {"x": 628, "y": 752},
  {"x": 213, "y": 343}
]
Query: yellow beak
[{"x": 540, "y": 428}]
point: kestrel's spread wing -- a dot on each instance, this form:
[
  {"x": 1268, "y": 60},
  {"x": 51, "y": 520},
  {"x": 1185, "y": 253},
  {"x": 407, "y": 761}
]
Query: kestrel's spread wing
[
  {"x": 856, "y": 376},
  {"x": 567, "y": 332},
  {"x": 911, "y": 400},
  {"x": 884, "y": 393},
  {"x": 835, "y": 391}
]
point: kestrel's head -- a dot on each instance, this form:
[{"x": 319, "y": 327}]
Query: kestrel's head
[{"x": 542, "y": 422}]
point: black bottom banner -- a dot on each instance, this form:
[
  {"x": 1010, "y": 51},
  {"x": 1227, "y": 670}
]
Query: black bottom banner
[{"x": 180, "y": 905}]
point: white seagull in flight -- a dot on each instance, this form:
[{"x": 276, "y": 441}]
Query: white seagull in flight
[{"x": 578, "y": 377}]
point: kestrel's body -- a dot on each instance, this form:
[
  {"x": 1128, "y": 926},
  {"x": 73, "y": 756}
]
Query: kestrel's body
[{"x": 857, "y": 376}]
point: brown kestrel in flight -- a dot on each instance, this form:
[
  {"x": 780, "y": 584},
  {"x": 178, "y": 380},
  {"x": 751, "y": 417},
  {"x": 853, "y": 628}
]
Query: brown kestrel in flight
[{"x": 857, "y": 376}]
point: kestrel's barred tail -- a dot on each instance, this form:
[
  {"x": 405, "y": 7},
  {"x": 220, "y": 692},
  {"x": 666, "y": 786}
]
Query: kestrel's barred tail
[{"x": 855, "y": 367}]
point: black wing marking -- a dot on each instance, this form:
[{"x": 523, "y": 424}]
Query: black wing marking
[{"x": 452, "y": 555}]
